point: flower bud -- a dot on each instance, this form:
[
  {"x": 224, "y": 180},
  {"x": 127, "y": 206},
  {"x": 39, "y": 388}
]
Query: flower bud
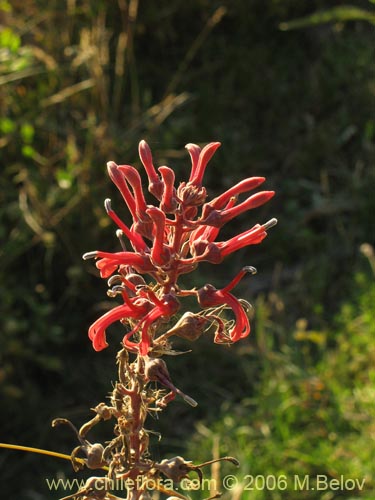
[{"x": 191, "y": 194}]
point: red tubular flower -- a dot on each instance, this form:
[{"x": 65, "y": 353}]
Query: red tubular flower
[
  {"x": 163, "y": 309},
  {"x": 199, "y": 167},
  {"x": 214, "y": 252},
  {"x": 169, "y": 202},
  {"x": 155, "y": 185},
  {"x": 119, "y": 180},
  {"x": 208, "y": 233},
  {"x": 144, "y": 345},
  {"x": 194, "y": 152},
  {"x": 254, "y": 201},
  {"x": 134, "y": 179},
  {"x": 218, "y": 218},
  {"x": 97, "y": 331},
  {"x": 252, "y": 236},
  {"x": 109, "y": 262},
  {"x": 239, "y": 188},
  {"x": 160, "y": 253},
  {"x": 208, "y": 296},
  {"x": 136, "y": 239}
]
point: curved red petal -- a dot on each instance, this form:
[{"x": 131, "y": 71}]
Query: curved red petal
[{"x": 204, "y": 157}]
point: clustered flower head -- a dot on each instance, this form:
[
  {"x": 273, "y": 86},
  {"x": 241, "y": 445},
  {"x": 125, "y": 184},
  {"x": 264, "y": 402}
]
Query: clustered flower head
[{"x": 168, "y": 239}]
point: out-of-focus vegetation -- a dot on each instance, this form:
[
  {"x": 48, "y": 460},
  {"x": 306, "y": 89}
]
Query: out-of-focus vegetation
[
  {"x": 312, "y": 411},
  {"x": 81, "y": 83}
]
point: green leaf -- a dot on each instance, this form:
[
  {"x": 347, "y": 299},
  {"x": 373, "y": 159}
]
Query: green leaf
[{"x": 337, "y": 14}]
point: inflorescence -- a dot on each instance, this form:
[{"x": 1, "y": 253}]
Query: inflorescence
[{"x": 165, "y": 240}]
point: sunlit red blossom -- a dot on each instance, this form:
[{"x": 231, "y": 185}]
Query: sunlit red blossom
[
  {"x": 155, "y": 185},
  {"x": 207, "y": 232},
  {"x": 135, "y": 238},
  {"x": 200, "y": 159},
  {"x": 215, "y": 252},
  {"x": 160, "y": 253},
  {"x": 218, "y": 218},
  {"x": 209, "y": 296},
  {"x": 252, "y": 236},
  {"x": 97, "y": 331},
  {"x": 169, "y": 201},
  {"x": 241, "y": 187},
  {"x": 162, "y": 309},
  {"x": 108, "y": 262},
  {"x": 134, "y": 179},
  {"x": 119, "y": 180},
  {"x": 223, "y": 208},
  {"x": 170, "y": 239}
]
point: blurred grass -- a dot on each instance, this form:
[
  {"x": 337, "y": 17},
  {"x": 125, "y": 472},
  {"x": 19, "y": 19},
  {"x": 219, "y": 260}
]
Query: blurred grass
[
  {"x": 312, "y": 410},
  {"x": 81, "y": 83}
]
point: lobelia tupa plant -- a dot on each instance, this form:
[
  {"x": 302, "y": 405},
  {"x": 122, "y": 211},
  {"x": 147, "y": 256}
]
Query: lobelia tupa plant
[{"x": 165, "y": 240}]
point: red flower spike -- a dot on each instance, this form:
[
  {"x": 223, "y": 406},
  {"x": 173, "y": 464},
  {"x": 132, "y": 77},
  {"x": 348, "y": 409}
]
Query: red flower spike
[
  {"x": 155, "y": 185},
  {"x": 239, "y": 188},
  {"x": 169, "y": 202},
  {"x": 204, "y": 157},
  {"x": 119, "y": 180},
  {"x": 147, "y": 307},
  {"x": 132, "y": 176}
]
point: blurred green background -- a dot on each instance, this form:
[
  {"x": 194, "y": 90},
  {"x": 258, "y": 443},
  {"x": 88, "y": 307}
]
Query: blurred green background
[{"x": 288, "y": 88}]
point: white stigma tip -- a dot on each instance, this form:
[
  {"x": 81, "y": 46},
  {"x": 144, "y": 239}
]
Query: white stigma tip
[
  {"x": 270, "y": 224},
  {"x": 107, "y": 204},
  {"x": 250, "y": 269},
  {"x": 190, "y": 400},
  {"x": 90, "y": 255}
]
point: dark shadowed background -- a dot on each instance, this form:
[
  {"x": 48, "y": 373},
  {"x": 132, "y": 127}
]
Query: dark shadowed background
[{"x": 287, "y": 87}]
